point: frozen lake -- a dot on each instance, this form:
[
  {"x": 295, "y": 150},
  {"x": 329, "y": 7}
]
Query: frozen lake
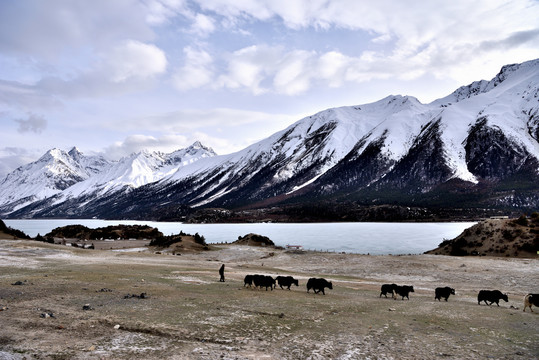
[{"x": 357, "y": 237}]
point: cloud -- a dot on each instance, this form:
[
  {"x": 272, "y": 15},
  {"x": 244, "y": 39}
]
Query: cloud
[
  {"x": 249, "y": 67},
  {"x": 18, "y": 95},
  {"x": 33, "y": 123},
  {"x": 14, "y": 157},
  {"x": 438, "y": 37},
  {"x": 225, "y": 130},
  {"x": 203, "y": 25},
  {"x": 128, "y": 67},
  {"x": 135, "y": 60},
  {"x": 135, "y": 143},
  {"x": 196, "y": 72},
  {"x": 190, "y": 120},
  {"x": 160, "y": 12},
  {"x": 39, "y": 28}
]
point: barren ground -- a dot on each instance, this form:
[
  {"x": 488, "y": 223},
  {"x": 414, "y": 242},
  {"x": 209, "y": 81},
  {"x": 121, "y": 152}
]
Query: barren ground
[{"x": 188, "y": 314}]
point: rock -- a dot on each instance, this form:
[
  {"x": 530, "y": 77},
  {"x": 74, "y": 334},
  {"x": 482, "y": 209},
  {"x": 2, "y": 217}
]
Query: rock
[
  {"x": 19, "y": 283},
  {"x": 141, "y": 296},
  {"x": 87, "y": 307},
  {"x": 47, "y": 314},
  {"x": 116, "y": 327}
]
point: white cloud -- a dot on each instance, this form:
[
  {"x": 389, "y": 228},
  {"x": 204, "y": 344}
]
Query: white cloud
[
  {"x": 189, "y": 120},
  {"x": 203, "y": 25},
  {"x": 294, "y": 73},
  {"x": 249, "y": 67},
  {"x": 136, "y": 60},
  {"x": 52, "y": 30},
  {"x": 437, "y": 37},
  {"x": 13, "y": 157},
  {"x": 196, "y": 72},
  {"x": 225, "y": 130},
  {"x": 135, "y": 143},
  {"x": 160, "y": 12}
]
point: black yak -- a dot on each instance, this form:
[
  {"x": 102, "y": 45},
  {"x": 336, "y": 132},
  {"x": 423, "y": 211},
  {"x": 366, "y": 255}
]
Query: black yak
[
  {"x": 286, "y": 281},
  {"x": 404, "y": 290},
  {"x": 263, "y": 281},
  {"x": 443, "y": 292},
  {"x": 318, "y": 285},
  {"x": 492, "y": 296},
  {"x": 248, "y": 280},
  {"x": 388, "y": 288}
]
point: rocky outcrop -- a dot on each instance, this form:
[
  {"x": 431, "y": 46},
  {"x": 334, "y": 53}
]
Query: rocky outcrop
[
  {"x": 495, "y": 237},
  {"x": 254, "y": 240}
]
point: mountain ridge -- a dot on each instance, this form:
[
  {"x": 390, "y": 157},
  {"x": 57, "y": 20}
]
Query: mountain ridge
[{"x": 480, "y": 142}]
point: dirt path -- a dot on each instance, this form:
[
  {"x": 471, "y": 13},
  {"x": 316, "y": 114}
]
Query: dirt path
[{"x": 186, "y": 313}]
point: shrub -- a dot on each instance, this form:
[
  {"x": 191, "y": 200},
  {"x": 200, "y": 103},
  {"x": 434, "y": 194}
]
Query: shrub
[
  {"x": 508, "y": 235},
  {"x": 165, "y": 241},
  {"x": 200, "y": 239},
  {"x": 522, "y": 220}
]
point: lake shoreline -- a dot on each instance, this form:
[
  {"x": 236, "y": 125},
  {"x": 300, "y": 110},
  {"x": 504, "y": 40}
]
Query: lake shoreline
[{"x": 351, "y": 237}]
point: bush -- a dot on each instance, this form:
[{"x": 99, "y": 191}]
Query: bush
[
  {"x": 200, "y": 239},
  {"x": 457, "y": 248},
  {"x": 508, "y": 235},
  {"x": 522, "y": 220},
  {"x": 165, "y": 241}
]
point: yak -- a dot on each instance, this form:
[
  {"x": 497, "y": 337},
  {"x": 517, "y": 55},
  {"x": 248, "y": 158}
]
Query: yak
[
  {"x": 404, "y": 290},
  {"x": 443, "y": 292},
  {"x": 264, "y": 281},
  {"x": 529, "y": 300},
  {"x": 388, "y": 288},
  {"x": 318, "y": 285},
  {"x": 492, "y": 296},
  {"x": 248, "y": 280},
  {"x": 286, "y": 281}
]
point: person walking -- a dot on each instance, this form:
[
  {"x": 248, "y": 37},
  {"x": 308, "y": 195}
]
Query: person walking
[{"x": 222, "y": 273}]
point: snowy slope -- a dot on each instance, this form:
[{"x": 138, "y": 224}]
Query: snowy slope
[
  {"x": 137, "y": 170},
  {"x": 485, "y": 132},
  {"x": 54, "y": 172},
  {"x": 305, "y": 151}
]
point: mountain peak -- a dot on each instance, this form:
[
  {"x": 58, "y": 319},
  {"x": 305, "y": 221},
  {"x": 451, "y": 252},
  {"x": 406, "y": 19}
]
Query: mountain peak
[{"x": 75, "y": 152}]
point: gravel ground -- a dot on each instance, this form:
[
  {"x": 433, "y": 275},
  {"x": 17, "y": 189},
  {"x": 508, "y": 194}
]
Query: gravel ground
[{"x": 97, "y": 304}]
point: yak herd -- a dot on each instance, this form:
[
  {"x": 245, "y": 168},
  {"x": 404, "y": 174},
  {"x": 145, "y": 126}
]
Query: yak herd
[{"x": 319, "y": 284}]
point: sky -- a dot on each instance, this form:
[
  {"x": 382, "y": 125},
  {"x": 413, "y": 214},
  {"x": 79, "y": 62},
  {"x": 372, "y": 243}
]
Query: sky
[{"x": 116, "y": 77}]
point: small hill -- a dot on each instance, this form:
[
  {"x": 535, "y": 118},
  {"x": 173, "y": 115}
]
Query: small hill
[
  {"x": 9, "y": 233},
  {"x": 180, "y": 243},
  {"x": 109, "y": 232},
  {"x": 254, "y": 240},
  {"x": 501, "y": 238}
]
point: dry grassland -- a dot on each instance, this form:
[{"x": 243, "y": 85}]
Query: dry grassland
[{"x": 187, "y": 313}]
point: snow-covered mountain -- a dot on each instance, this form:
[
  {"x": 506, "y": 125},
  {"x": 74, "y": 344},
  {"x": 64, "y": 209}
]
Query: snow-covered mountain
[
  {"x": 478, "y": 146},
  {"x": 53, "y": 173},
  {"x": 137, "y": 170},
  {"x": 59, "y": 176}
]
